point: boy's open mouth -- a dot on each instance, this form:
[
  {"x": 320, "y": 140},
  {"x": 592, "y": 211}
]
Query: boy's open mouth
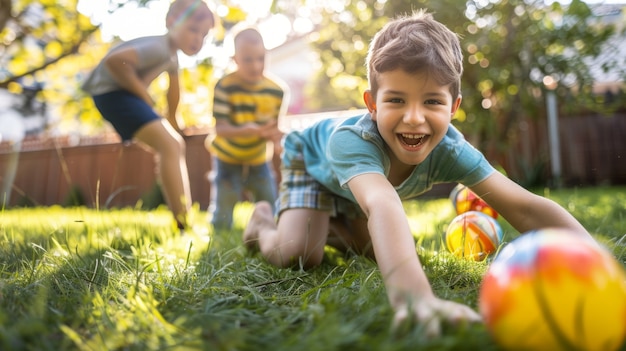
[{"x": 412, "y": 139}]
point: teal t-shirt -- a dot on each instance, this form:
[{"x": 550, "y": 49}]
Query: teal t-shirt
[{"x": 337, "y": 150}]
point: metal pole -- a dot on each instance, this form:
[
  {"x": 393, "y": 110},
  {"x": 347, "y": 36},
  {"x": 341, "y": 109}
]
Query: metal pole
[{"x": 553, "y": 136}]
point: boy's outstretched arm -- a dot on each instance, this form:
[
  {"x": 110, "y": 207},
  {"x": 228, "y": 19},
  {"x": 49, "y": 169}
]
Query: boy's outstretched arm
[
  {"x": 523, "y": 209},
  {"x": 408, "y": 289}
]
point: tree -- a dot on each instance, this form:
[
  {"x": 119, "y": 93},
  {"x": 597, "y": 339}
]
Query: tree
[
  {"x": 37, "y": 34},
  {"x": 509, "y": 47},
  {"x": 49, "y": 42},
  {"x": 42, "y": 40}
]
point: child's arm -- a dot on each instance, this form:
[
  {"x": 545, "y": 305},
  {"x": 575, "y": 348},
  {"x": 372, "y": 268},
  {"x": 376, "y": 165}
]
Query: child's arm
[
  {"x": 173, "y": 98},
  {"x": 122, "y": 66},
  {"x": 407, "y": 286},
  {"x": 522, "y": 209},
  {"x": 225, "y": 129}
]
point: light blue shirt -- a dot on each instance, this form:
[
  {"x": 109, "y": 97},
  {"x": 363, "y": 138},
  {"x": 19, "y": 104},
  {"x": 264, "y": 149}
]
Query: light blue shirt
[{"x": 337, "y": 150}]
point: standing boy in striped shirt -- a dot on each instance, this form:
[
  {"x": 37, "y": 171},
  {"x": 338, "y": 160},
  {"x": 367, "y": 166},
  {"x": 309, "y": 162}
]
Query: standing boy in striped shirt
[{"x": 246, "y": 107}]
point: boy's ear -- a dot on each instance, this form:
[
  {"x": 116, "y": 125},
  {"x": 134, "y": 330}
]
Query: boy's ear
[
  {"x": 455, "y": 106},
  {"x": 370, "y": 102}
]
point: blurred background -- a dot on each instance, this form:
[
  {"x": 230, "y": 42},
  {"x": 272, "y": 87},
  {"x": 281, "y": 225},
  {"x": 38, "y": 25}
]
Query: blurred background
[{"x": 543, "y": 88}]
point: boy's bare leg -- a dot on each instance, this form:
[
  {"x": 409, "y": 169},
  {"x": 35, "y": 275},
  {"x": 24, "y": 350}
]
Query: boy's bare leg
[
  {"x": 170, "y": 146},
  {"x": 345, "y": 234},
  {"x": 262, "y": 219},
  {"x": 299, "y": 237}
]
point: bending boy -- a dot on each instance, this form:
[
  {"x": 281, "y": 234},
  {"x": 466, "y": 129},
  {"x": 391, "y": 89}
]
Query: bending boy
[
  {"x": 119, "y": 86},
  {"x": 349, "y": 177}
]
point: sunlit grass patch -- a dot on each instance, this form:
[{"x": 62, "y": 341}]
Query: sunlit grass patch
[{"x": 126, "y": 279}]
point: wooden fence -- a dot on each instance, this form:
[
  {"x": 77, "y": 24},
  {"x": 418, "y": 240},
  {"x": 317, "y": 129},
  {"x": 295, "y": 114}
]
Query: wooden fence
[
  {"x": 110, "y": 174},
  {"x": 595, "y": 151},
  {"x": 592, "y": 150},
  {"x": 104, "y": 171}
]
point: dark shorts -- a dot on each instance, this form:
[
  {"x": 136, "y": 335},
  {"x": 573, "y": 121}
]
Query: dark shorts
[{"x": 125, "y": 111}]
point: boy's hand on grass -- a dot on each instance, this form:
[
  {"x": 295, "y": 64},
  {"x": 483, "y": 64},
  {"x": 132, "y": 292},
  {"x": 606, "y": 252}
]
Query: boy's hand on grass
[{"x": 430, "y": 313}]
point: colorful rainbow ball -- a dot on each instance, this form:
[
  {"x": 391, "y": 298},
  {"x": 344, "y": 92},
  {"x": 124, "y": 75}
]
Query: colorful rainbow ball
[
  {"x": 553, "y": 290},
  {"x": 473, "y": 235},
  {"x": 464, "y": 200}
]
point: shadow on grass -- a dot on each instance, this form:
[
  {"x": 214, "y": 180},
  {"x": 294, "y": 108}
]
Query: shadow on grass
[{"x": 244, "y": 303}]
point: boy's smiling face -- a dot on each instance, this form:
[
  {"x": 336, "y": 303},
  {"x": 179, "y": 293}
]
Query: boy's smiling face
[{"x": 412, "y": 112}]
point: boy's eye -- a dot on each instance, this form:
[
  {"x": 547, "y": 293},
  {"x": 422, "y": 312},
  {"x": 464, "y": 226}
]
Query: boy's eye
[
  {"x": 194, "y": 30},
  {"x": 433, "y": 102},
  {"x": 395, "y": 100}
]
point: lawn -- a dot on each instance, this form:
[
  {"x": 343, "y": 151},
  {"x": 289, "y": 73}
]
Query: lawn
[{"x": 123, "y": 279}]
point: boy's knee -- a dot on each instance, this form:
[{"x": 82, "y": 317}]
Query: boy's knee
[
  {"x": 178, "y": 143},
  {"x": 182, "y": 144},
  {"x": 296, "y": 258},
  {"x": 312, "y": 261}
]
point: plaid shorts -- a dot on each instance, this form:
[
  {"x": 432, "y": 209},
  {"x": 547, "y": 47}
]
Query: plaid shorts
[{"x": 298, "y": 189}]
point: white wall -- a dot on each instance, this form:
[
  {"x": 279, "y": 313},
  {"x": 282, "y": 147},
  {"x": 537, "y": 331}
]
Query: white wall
[{"x": 295, "y": 62}]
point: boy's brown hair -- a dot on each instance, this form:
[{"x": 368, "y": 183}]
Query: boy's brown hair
[
  {"x": 416, "y": 43},
  {"x": 182, "y": 10}
]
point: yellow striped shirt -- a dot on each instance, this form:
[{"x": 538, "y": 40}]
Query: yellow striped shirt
[{"x": 240, "y": 103}]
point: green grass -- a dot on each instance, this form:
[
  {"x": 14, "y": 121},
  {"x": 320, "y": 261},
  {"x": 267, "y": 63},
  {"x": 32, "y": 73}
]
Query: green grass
[{"x": 85, "y": 279}]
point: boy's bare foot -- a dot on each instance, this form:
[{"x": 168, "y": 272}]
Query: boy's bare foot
[{"x": 262, "y": 217}]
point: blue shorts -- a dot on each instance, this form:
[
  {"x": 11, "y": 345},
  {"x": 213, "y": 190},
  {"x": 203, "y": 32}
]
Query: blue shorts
[
  {"x": 228, "y": 184},
  {"x": 125, "y": 111}
]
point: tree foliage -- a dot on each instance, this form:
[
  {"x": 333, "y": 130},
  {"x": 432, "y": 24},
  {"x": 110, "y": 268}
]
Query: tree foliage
[
  {"x": 37, "y": 34},
  {"x": 49, "y": 43},
  {"x": 509, "y": 46}
]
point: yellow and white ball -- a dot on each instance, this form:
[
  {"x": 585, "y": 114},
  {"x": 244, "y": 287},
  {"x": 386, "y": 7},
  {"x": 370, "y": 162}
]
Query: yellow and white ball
[{"x": 473, "y": 235}]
